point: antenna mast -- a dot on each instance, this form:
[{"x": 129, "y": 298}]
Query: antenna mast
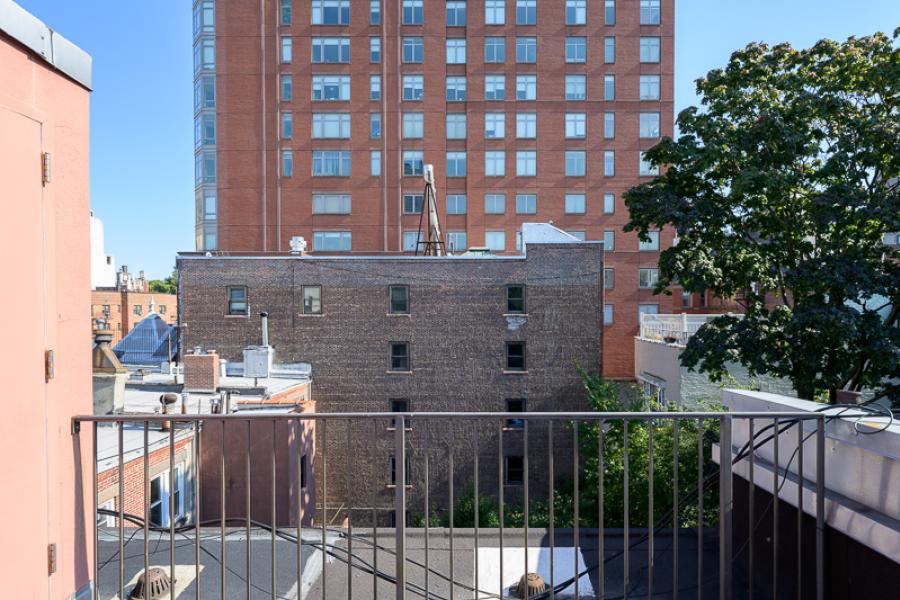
[{"x": 433, "y": 244}]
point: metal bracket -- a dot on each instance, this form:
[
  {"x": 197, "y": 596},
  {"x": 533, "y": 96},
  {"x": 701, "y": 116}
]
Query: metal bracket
[{"x": 76, "y": 426}]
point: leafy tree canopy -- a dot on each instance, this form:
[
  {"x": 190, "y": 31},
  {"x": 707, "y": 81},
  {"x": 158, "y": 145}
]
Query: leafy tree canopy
[
  {"x": 781, "y": 188},
  {"x": 169, "y": 285}
]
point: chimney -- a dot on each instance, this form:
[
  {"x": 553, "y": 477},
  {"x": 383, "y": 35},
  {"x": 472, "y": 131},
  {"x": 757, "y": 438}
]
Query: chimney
[
  {"x": 201, "y": 371},
  {"x": 264, "y": 323},
  {"x": 108, "y": 374}
]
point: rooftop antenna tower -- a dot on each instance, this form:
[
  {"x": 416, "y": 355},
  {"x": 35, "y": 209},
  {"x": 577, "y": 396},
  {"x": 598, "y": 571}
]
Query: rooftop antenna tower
[{"x": 432, "y": 245}]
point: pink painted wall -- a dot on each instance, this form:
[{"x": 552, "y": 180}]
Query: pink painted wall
[{"x": 45, "y": 472}]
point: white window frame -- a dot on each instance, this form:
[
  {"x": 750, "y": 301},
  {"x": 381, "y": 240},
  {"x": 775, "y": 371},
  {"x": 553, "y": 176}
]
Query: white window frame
[
  {"x": 331, "y": 126},
  {"x": 526, "y": 87},
  {"x": 325, "y": 83},
  {"x": 456, "y": 51},
  {"x": 495, "y": 163},
  {"x": 526, "y": 125},
  {"x": 413, "y": 125},
  {"x": 495, "y": 125},
  {"x": 495, "y": 204},
  {"x": 322, "y": 45},
  {"x": 650, "y": 51},
  {"x": 576, "y": 125},
  {"x": 494, "y": 83},
  {"x": 576, "y": 87},
  {"x": 456, "y": 164},
  {"x": 649, "y": 125},
  {"x": 415, "y": 84},
  {"x": 495, "y": 240},
  {"x": 456, "y": 126},
  {"x": 331, "y": 204},
  {"x": 576, "y": 49},
  {"x": 526, "y": 163},
  {"x": 526, "y": 204},
  {"x": 495, "y": 12},
  {"x": 576, "y": 163},
  {"x": 575, "y": 204}
]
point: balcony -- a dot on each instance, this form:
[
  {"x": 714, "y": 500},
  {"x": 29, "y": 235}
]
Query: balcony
[{"x": 673, "y": 329}]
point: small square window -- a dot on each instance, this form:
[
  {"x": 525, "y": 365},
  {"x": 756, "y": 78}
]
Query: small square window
[
  {"x": 515, "y": 299},
  {"x": 237, "y": 301},
  {"x": 399, "y": 300},
  {"x": 515, "y": 405},
  {"x": 648, "y": 277},
  {"x": 312, "y": 299},
  {"x": 652, "y": 245},
  {"x": 609, "y": 278},
  {"x": 526, "y": 204},
  {"x": 514, "y": 473},
  {"x": 400, "y": 356},
  {"x": 515, "y": 356}
]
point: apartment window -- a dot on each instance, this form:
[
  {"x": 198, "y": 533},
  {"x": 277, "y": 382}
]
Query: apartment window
[
  {"x": 495, "y": 163},
  {"x": 519, "y": 241},
  {"x": 205, "y": 167},
  {"x": 575, "y": 163},
  {"x": 287, "y": 49},
  {"x": 330, "y": 12},
  {"x": 456, "y": 14},
  {"x": 526, "y": 125},
  {"x": 649, "y": 87},
  {"x": 287, "y": 88},
  {"x": 609, "y": 240},
  {"x": 576, "y": 124},
  {"x": 576, "y": 87},
  {"x": 205, "y": 17},
  {"x": 413, "y": 162},
  {"x": 494, "y": 204},
  {"x": 579, "y": 235},
  {"x": 609, "y": 163},
  {"x": 159, "y": 500},
  {"x": 331, "y": 204},
  {"x": 237, "y": 301},
  {"x": 609, "y": 204},
  {"x": 526, "y": 163},
  {"x": 208, "y": 128},
  {"x": 137, "y": 309},
  {"x": 375, "y": 126},
  {"x": 374, "y": 50},
  {"x": 609, "y": 125},
  {"x": 412, "y": 12},
  {"x": 400, "y": 356},
  {"x": 515, "y": 299},
  {"x": 609, "y": 87},
  {"x": 331, "y": 163},
  {"x": 647, "y": 309},
  {"x": 494, "y": 12},
  {"x": 575, "y": 204},
  {"x": 495, "y": 240},
  {"x": 413, "y": 50},
  {"x": 609, "y": 49},
  {"x": 398, "y": 405},
  {"x": 609, "y": 12},
  {"x": 576, "y": 50},
  {"x": 374, "y": 12},
  {"x": 607, "y": 314},
  {"x": 456, "y": 126},
  {"x": 514, "y": 470},
  {"x": 686, "y": 299},
  {"x": 393, "y": 479},
  {"x": 649, "y": 125},
  {"x": 331, "y": 125},
  {"x": 413, "y": 125},
  {"x": 205, "y": 92},
  {"x": 312, "y": 299},
  {"x": 456, "y": 240},
  {"x": 399, "y": 301},
  {"x": 331, "y": 50},
  {"x": 494, "y": 49},
  {"x": 332, "y": 241},
  {"x": 576, "y": 12},
  {"x": 526, "y": 87},
  {"x": 331, "y": 87},
  {"x": 287, "y": 163},
  {"x": 646, "y": 168},
  {"x": 413, "y": 87},
  {"x": 375, "y": 163},
  {"x": 456, "y": 164},
  {"x": 526, "y": 12},
  {"x": 652, "y": 245},
  {"x": 495, "y": 125},
  {"x": 526, "y": 204},
  {"x": 526, "y": 49},
  {"x": 456, "y": 204},
  {"x": 456, "y": 51},
  {"x": 456, "y": 89},
  {"x": 411, "y": 240},
  {"x": 515, "y": 356},
  {"x": 374, "y": 87},
  {"x": 495, "y": 87},
  {"x": 514, "y": 405},
  {"x": 647, "y": 277},
  {"x": 649, "y": 12},
  {"x": 649, "y": 50},
  {"x": 413, "y": 203},
  {"x": 609, "y": 278}
]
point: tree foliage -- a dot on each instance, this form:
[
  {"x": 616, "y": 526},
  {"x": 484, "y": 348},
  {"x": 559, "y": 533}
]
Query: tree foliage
[
  {"x": 169, "y": 285},
  {"x": 781, "y": 189}
]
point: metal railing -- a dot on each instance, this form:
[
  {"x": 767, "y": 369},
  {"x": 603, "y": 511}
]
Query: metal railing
[
  {"x": 616, "y": 549},
  {"x": 674, "y": 329}
]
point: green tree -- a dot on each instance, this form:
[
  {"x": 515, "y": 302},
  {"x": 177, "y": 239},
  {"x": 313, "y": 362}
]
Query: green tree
[
  {"x": 781, "y": 189},
  {"x": 169, "y": 285}
]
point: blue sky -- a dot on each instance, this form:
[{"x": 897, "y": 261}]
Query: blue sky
[{"x": 141, "y": 107}]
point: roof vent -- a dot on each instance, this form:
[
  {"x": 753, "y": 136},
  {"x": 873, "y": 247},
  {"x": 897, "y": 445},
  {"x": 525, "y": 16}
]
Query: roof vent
[
  {"x": 152, "y": 584},
  {"x": 530, "y": 585}
]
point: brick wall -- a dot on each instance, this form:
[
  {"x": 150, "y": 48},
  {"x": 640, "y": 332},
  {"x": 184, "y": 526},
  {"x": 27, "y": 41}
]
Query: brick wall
[{"x": 201, "y": 372}]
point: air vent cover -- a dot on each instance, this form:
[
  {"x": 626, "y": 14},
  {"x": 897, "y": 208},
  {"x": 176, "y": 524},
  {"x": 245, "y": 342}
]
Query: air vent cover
[{"x": 151, "y": 585}]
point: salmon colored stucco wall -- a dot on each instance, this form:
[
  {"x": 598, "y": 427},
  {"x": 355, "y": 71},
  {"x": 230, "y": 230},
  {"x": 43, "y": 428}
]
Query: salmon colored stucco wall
[{"x": 45, "y": 471}]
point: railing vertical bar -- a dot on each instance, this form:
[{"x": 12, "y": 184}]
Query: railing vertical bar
[
  {"x": 675, "y": 510},
  {"x": 247, "y": 500},
  {"x": 197, "y": 457},
  {"x": 576, "y": 473},
  {"x": 477, "y": 510},
  {"x": 552, "y": 479},
  {"x": 427, "y": 508},
  {"x": 298, "y": 441},
  {"x": 400, "y": 506},
  {"x": 348, "y": 477},
  {"x": 626, "y": 549},
  {"x": 121, "y": 503},
  {"x": 800, "y": 509},
  {"x": 820, "y": 508},
  {"x": 374, "y": 494},
  {"x": 500, "y": 483},
  {"x": 324, "y": 503},
  {"x": 96, "y": 526},
  {"x": 222, "y": 514},
  {"x": 751, "y": 508},
  {"x": 172, "y": 506},
  {"x": 726, "y": 505},
  {"x": 525, "y": 481},
  {"x": 601, "y": 532},
  {"x": 775, "y": 509},
  {"x": 146, "y": 496},
  {"x": 700, "y": 431},
  {"x": 274, "y": 516},
  {"x": 650, "y": 508},
  {"x": 452, "y": 555}
]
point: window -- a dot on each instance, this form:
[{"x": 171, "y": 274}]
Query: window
[
  {"x": 494, "y": 49},
  {"x": 607, "y": 314},
  {"x": 456, "y": 126},
  {"x": 526, "y": 204},
  {"x": 413, "y": 162},
  {"x": 456, "y": 14},
  {"x": 609, "y": 87},
  {"x": 456, "y": 89},
  {"x": 647, "y": 309},
  {"x": 412, "y": 12},
  {"x": 609, "y": 204},
  {"x": 374, "y": 12},
  {"x": 137, "y": 309},
  {"x": 495, "y": 240},
  {"x": 495, "y": 163},
  {"x": 514, "y": 470},
  {"x": 331, "y": 50},
  {"x": 647, "y": 277},
  {"x": 609, "y": 278},
  {"x": 107, "y": 520},
  {"x": 526, "y": 125},
  {"x": 413, "y": 87},
  {"x": 494, "y": 125},
  {"x": 526, "y": 49},
  {"x": 649, "y": 50},
  {"x": 495, "y": 87},
  {"x": 375, "y": 126},
  {"x": 494, "y": 12},
  {"x": 609, "y": 12},
  {"x": 287, "y": 163},
  {"x": 205, "y": 167},
  {"x": 375, "y": 163},
  {"x": 205, "y": 17},
  {"x": 579, "y": 235},
  {"x": 515, "y": 356},
  {"x": 687, "y": 299},
  {"x": 331, "y": 163},
  {"x": 526, "y": 163},
  {"x": 413, "y": 203},
  {"x": 576, "y": 12},
  {"x": 515, "y": 405},
  {"x": 526, "y": 87},
  {"x": 208, "y": 129},
  {"x": 413, "y": 125},
  {"x": 287, "y": 124},
  {"x": 576, "y": 87},
  {"x": 609, "y": 240},
  {"x": 649, "y": 87},
  {"x": 237, "y": 301},
  {"x": 393, "y": 478},
  {"x": 374, "y": 87},
  {"x": 456, "y": 51},
  {"x": 646, "y": 168},
  {"x": 519, "y": 241},
  {"x": 205, "y": 92},
  {"x": 649, "y": 12},
  {"x": 515, "y": 299},
  {"x": 332, "y": 241},
  {"x": 312, "y": 299},
  {"x": 609, "y": 125},
  {"x": 331, "y": 204},
  {"x": 494, "y": 204},
  {"x": 400, "y": 356},
  {"x": 287, "y": 49},
  {"x": 526, "y": 12},
  {"x": 413, "y": 49},
  {"x": 575, "y": 166},
  {"x": 159, "y": 500},
  {"x": 609, "y": 49},
  {"x": 576, "y": 49},
  {"x": 456, "y": 241},
  {"x": 652, "y": 245},
  {"x": 303, "y": 470},
  {"x": 398, "y": 405},
  {"x": 330, "y": 87},
  {"x": 331, "y": 125},
  {"x": 287, "y": 88},
  {"x": 575, "y": 204},
  {"x": 456, "y": 164},
  {"x": 374, "y": 50},
  {"x": 456, "y": 204},
  {"x": 609, "y": 163},
  {"x": 398, "y": 297},
  {"x": 575, "y": 125},
  {"x": 411, "y": 240},
  {"x": 330, "y": 12},
  {"x": 649, "y": 125}
]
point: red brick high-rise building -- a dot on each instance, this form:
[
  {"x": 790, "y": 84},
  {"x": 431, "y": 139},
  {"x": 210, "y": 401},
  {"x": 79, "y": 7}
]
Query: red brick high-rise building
[{"x": 314, "y": 118}]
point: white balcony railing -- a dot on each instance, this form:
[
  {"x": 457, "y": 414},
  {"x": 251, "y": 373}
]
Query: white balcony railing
[{"x": 673, "y": 329}]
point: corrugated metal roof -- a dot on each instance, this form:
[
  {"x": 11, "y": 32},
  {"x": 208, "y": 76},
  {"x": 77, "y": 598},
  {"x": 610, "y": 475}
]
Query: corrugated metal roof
[{"x": 151, "y": 342}]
